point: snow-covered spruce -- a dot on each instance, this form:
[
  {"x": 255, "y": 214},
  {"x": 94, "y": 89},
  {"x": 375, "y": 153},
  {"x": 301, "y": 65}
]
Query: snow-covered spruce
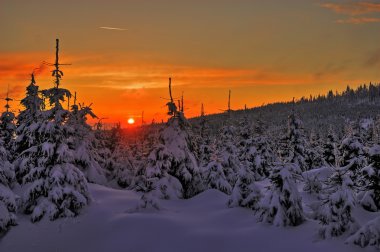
[
  {"x": 54, "y": 185},
  {"x": 122, "y": 167},
  {"x": 255, "y": 151},
  {"x": 292, "y": 148},
  {"x": 174, "y": 163},
  {"x": 149, "y": 198},
  {"x": 229, "y": 153},
  {"x": 314, "y": 152},
  {"x": 370, "y": 195},
  {"x": 7, "y": 130},
  {"x": 367, "y": 235},
  {"x": 28, "y": 122},
  {"x": 245, "y": 192},
  {"x": 8, "y": 204},
  {"x": 313, "y": 185},
  {"x": 282, "y": 204},
  {"x": 330, "y": 149},
  {"x": 85, "y": 154},
  {"x": 114, "y": 155},
  {"x": 352, "y": 150},
  {"x": 213, "y": 175},
  {"x": 204, "y": 142},
  {"x": 101, "y": 144},
  {"x": 154, "y": 180},
  {"x": 334, "y": 212},
  {"x": 32, "y": 103},
  {"x": 262, "y": 154}
]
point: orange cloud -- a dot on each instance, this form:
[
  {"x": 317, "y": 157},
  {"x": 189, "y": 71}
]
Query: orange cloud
[
  {"x": 353, "y": 9},
  {"x": 361, "y": 20}
]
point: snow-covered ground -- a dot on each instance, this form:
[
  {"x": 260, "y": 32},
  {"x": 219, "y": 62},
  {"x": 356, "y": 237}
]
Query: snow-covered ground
[{"x": 202, "y": 223}]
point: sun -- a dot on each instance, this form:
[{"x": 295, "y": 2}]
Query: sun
[{"x": 131, "y": 121}]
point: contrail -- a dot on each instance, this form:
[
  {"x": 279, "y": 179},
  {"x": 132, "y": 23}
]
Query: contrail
[{"x": 112, "y": 28}]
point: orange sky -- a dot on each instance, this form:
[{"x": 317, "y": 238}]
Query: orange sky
[{"x": 264, "y": 51}]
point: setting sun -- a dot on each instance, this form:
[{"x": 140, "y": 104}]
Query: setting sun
[{"x": 131, "y": 121}]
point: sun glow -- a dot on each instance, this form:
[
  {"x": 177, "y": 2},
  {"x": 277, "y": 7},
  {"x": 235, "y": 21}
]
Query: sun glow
[{"x": 131, "y": 121}]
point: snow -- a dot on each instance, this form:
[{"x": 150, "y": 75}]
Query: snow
[{"x": 202, "y": 223}]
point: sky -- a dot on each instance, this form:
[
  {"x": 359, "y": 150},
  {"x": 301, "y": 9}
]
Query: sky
[{"x": 123, "y": 52}]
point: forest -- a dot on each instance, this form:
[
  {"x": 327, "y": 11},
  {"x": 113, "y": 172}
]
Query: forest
[{"x": 310, "y": 159}]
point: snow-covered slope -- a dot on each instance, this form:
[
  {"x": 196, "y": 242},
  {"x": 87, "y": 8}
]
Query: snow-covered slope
[{"x": 202, "y": 223}]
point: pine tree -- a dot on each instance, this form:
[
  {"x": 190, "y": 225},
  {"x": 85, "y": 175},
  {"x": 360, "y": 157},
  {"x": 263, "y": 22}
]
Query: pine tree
[
  {"x": 229, "y": 153},
  {"x": 8, "y": 199},
  {"x": 149, "y": 198},
  {"x": 204, "y": 142},
  {"x": 214, "y": 177},
  {"x": 244, "y": 134},
  {"x": 370, "y": 199},
  {"x": 248, "y": 153},
  {"x": 28, "y": 135},
  {"x": 54, "y": 185},
  {"x": 260, "y": 156},
  {"x": 101, "y": 145},
  {"x": 292, "y": 148},
  {"x": 367, "y": 235},
  {"x": 352, "y": 150},
  {"x": 156, "y": 179},
  {"x": 173, "y": 162},
  {"x": 314, "y": 152},
  {"x": 282, "y": 204},
  {"x": 335, "y": 211},
  {"x": 32, "y": 103},
  {"x": 123, "y": 167},
  {"x": 313, "y": 184},
  {"x": 85, "y": 155},
  {"x": 330, "y": 148},
  {"x": 7, "y": 127},
  {"x": 375, "y": 136},
  {"x": 245, "y": 192}
]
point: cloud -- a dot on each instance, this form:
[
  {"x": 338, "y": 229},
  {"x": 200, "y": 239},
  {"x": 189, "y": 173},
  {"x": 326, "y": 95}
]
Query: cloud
[
  {"x": 14, "y": 91},
  {"x": 353, "y": 9},
  {"x": 361, "y": 20},
  {"x": 112, "y": 28},
  {"x": 373, "y": 60},
  {"x": 329, "y": 70}
]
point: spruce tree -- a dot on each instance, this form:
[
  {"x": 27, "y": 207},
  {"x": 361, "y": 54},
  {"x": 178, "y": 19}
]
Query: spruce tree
[
  {"x": 370, "y": 180},
  {"x": 173, "y": 169},
  {"x": 338, "y": 201},
  {"x": 229, "y": 153},
  {"x": 314, "y": 152},
  {"x": 367, "y": 235},
  {"x": 8, "y": 205},
  {"x": 282, "y": 204},
  {"x": 7, "y": 127},
  {"x": 54, "y": 185},
  {"x": 204, "y": 141},
  {"x": 101, "y": 144},
  {"x": 28, "y": 135},
  {"x": 292, "y": 145},
  {"x": 85, "y": 154},
  {"x": 213, "y": 175},
  {"x": 172, "y": 165},
  {"x": 261, "y": 156},
  {"x": 123, "y": 166},
  {"x": 245, "y": 192},
  {"x": 32, "y": 103},
  {"x": 330, "y": 150},
  {"x": 352, "y": 151},
  {"x": 156, "y": 178},
  {"x": 297, "y": 142}
]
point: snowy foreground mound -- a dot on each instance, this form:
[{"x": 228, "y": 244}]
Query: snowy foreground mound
[{"x": 202, "y": 223}]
